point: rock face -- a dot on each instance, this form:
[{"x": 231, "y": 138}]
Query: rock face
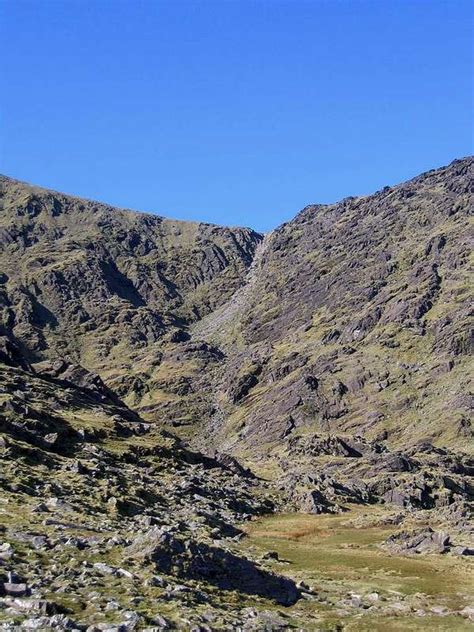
[{"x": 358, "y": 319}]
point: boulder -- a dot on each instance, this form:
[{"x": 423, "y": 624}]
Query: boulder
[{"x": 418, "y": 541}]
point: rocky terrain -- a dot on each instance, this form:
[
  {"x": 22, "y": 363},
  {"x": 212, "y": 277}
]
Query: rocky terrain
[
  {"x": 166, "y": 385},
  {"x": 107, "y": 519},
  {"x": 358, "y": 320}
]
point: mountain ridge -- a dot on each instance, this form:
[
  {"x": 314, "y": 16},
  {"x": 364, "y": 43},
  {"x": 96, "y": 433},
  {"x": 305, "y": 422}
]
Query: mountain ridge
[
  {"x": 6, "y": 179},
  {"x": 12, "y": 179}
]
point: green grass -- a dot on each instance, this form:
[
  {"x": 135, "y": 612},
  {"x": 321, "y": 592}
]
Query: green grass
[{"x": 336, "y": 559}]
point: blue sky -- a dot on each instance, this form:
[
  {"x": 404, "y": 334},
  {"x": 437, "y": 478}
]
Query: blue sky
[{"x": 232, "y": 112}]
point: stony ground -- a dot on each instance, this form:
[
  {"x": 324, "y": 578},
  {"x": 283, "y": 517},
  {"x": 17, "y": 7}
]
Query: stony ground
[{"x": 112, "y": 522}]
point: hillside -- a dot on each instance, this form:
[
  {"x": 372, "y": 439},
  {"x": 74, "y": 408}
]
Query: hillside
[
  {"x": 94, "y": 283},
  {"x": 358, "y": 320}
]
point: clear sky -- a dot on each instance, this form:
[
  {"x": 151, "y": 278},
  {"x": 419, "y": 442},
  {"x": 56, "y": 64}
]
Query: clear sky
[{"x": 233, "y": 112}]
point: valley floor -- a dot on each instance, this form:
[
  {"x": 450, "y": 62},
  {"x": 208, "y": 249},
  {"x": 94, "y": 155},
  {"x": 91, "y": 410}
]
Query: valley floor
[{"x": 354, "y": 585}]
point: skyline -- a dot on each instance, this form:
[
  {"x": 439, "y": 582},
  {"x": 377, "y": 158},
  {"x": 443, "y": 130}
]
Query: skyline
[
  {"x": 197, "y": 220},
  {"x": 235, "y": 113}
]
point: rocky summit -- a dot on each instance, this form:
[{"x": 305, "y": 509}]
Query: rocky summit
[{"x": 205, "y": 428}]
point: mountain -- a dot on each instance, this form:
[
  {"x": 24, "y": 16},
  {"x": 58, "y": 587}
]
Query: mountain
[
  {"x": 358, "y": 319},
  {"x": 163, "y": 383},
  {"x": 92, "y": 282}
]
